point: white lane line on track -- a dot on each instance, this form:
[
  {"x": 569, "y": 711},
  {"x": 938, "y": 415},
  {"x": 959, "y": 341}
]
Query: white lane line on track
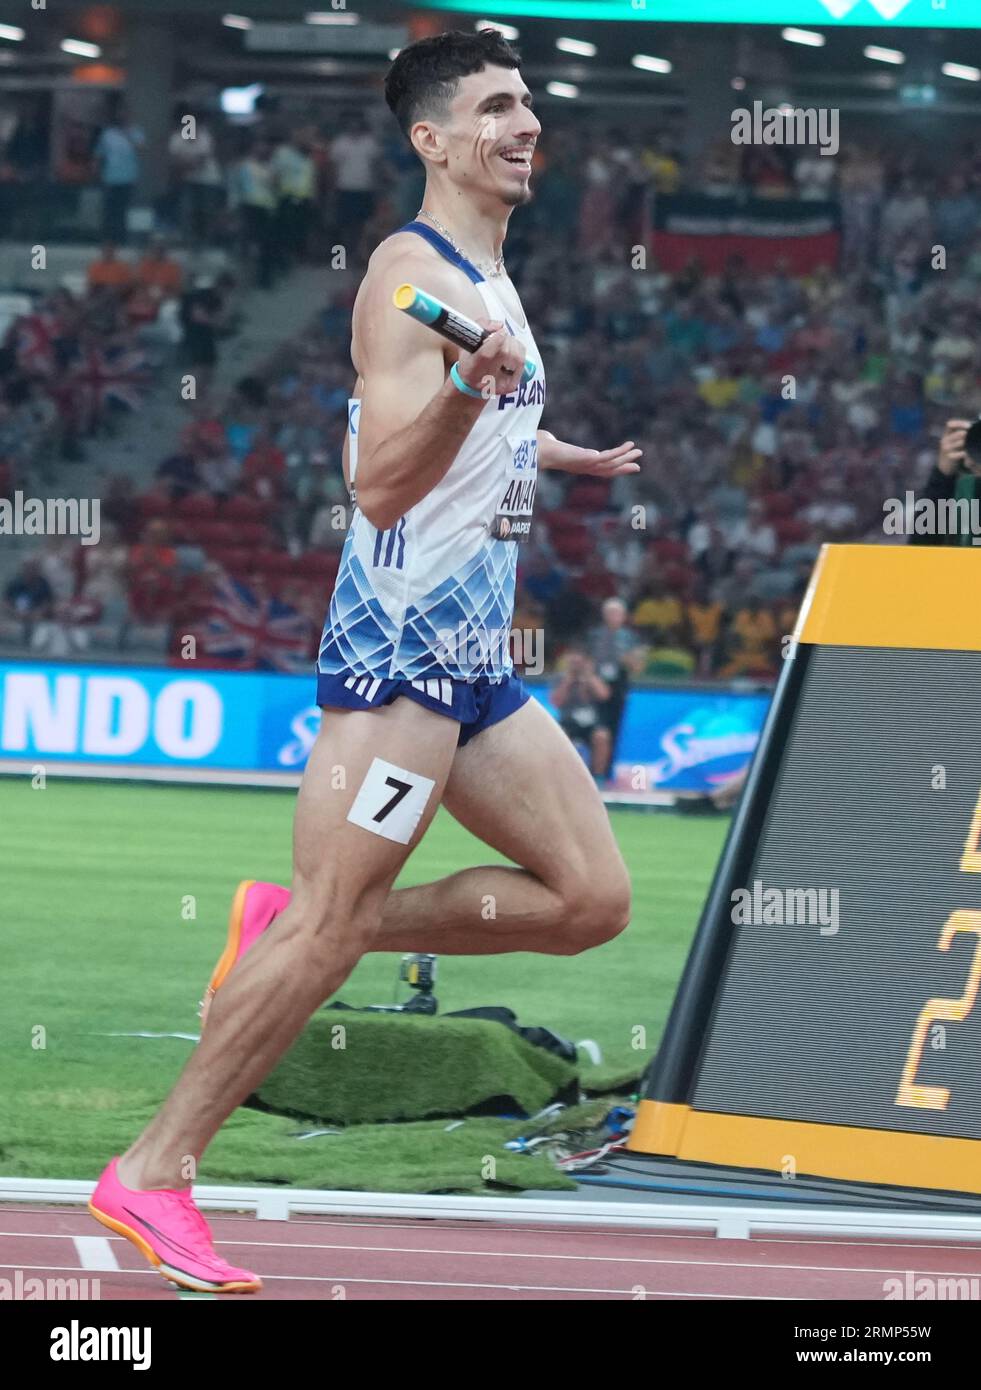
[
  {"x": 610, "y": 1233},
  {"x": 522, "y": 1255},
  {"x": 455, "y": 1284},
  {"x": 95, "y": 1252}
]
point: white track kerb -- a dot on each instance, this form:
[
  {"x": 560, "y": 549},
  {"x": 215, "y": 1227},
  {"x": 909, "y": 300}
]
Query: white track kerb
[{"x": 728, "y": 1223}]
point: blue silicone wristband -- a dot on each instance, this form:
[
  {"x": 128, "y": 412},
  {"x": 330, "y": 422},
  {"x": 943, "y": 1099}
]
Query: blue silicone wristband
[{"x": 461, "y": 385}]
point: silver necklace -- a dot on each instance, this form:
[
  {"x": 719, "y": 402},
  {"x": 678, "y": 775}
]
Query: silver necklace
[{"x": 491, "y": 269}]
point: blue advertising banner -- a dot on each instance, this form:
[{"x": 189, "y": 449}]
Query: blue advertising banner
[{"x": 671, "y": 739}]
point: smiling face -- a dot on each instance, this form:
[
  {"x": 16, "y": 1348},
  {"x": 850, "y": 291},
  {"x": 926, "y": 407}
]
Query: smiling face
[{"x": 487, "y": 143}]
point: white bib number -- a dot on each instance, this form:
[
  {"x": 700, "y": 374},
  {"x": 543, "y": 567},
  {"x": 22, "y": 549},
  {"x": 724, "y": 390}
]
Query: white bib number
[
  {"x": 390, "y": 801},
  {"x": 513, "y": 519}
]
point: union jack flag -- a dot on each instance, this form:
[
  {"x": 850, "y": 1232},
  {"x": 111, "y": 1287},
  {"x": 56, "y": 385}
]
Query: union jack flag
[
  {"x": 34, "y": 342},
  {"x": 117, "y": 375},
  {"x": 258, "y": 634}
]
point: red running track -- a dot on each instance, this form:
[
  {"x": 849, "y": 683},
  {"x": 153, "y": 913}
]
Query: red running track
[{"x": 329, "y": 1257}]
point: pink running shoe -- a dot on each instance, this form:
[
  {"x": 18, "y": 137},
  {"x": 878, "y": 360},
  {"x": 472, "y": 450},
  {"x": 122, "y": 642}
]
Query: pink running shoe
[
  {"x": 254, "y": 907},
  {"x": 170, "y": 1231}
]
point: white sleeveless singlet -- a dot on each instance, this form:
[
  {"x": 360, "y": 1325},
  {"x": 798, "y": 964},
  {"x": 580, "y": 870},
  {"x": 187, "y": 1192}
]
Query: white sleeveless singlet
[{"x": 433, "y": 595}]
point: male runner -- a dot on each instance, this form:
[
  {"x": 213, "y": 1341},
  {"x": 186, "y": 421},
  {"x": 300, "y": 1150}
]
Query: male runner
[{"x": 421, "y": 703}]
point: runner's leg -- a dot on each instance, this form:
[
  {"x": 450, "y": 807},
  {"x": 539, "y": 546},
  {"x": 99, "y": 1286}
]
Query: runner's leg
[
  {"x": 342, "y": 874},
  {"x": 521, "y": 788}
]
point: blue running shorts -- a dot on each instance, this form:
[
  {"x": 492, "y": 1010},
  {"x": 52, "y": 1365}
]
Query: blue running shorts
[{"x": 475, "y": 705}]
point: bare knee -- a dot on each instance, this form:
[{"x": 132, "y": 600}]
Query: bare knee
[
  {"x": 595, "y": 909},
  {"x": 337, "y": 923}
]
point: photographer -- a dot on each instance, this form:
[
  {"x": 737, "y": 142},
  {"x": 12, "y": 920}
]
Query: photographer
[
  {"x": 957, "y": 476},
  {"x": 580, "y": 698},
  {"x": 617, "y": 655}
]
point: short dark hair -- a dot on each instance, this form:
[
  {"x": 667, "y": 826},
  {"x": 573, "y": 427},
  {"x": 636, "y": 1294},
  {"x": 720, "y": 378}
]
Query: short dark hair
[{"x": 422, "y": 80}]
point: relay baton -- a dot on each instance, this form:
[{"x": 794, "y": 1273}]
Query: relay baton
[{"x": 446, "y": 321}]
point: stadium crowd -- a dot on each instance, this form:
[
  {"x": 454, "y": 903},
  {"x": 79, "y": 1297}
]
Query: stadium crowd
[{"x": 776, "y": 411}]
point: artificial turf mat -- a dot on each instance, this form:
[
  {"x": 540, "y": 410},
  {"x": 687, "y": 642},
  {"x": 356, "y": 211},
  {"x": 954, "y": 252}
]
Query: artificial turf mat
[
  {"x": 356, "y": 1069},
  {"x": 116, "y": 898}
]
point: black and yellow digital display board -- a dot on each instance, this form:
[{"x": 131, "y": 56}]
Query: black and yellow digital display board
[{"x": 828, "y": 1023}]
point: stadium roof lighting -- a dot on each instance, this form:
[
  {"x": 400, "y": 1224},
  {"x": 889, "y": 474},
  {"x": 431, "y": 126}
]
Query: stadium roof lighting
[
  {"x": 81, "y": 49},
  {"x": 808, "y": 37},
  {"x": 331, "y": 17},
  {"x": 578, "y": 46},
  {"x": 967, "y": 74},
  {"x": 561, "y": 89},
  {"x": 11, "y": 32},
  {"x": 236, "y": 21},
  {"x": 649, "y": 64},
  {"x": 884, "y": 55},
  {"x": 506, "y": 31}
]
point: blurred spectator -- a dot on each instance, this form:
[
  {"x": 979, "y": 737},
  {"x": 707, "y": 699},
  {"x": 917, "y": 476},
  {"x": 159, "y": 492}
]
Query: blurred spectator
[
  {"x": 120, "y": 507},
  {"x": 109, "y": 272},
  {"x": 196, "y": 174},
  {"x": 954, "y": 477},
  {"x": 704, "y": 618},
  {"x": 295, "y": 175},
  {"x": 580, "y": 697},
  {"x": 354, "y": 155},
  {"x": 201, "y": 310},
  {"x": 28, "y": 598},
  {"x": 264, "y": 470},
  {"x": 617, "y": 655},
  {"x": 180, "y": 474},
  {"x": 750, "y": 643},
  {"x": 254, "y": 191},
  {"x": 658, "y": 615},
  {"x": 153, "y": 550},
  {"x": 906, "y": 220},
  {"x": 597, "y": 223},
  {"x": 862, "y": 182},
  {"x": 117, "y": 151},
  {"x": 158, "y": 273}
]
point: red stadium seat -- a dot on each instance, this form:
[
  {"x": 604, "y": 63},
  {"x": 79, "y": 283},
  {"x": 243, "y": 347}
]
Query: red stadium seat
[
  {"x": 197, "y": 504},
  {"x": 573, "y": 547},
  {"x": 562, "y": 520},
  {"x": 596, "y": 586},
  {"x": 274, "y": 562},
  {"x": 777, "y": 504},
  {"x": 207, "y": 533},
  {"x": 670, "y": 551},
  {"x": 243, "y": 509},
  {"x": 187, "y": 531},
  {"x": 316, "y": 564},
  {"x": 790, "y": 529},
  {"x": 589, "y": 495},
  {"x": 251, "y": 533},
  {"x": 237, "y": 560},
  {"x": 154, "y": 504},
  {"x": 223, "y": 533}
]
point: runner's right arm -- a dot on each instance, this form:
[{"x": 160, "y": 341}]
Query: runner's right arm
[{"x": 405, "y": 451}]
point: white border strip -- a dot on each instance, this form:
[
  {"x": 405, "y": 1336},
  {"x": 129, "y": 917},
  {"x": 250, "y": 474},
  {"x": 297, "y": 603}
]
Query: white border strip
[
  {"x": 730, "y": 1223},
  {"x": 134, "y": 772},
  {"x": 243, "y": 777}
]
